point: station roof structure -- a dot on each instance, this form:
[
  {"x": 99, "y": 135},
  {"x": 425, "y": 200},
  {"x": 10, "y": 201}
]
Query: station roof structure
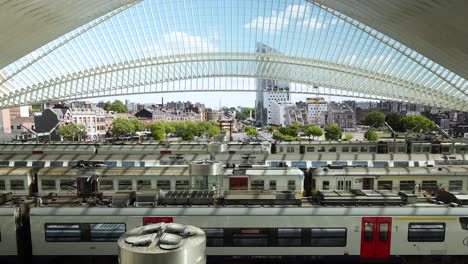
[{"x": 67, "y": 50}]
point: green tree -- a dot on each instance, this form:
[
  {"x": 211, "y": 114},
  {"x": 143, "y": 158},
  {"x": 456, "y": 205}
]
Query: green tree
[
  {"x": 417, "y": 123},
  {"x": 314, "y": 131},
  {"x": 158, "y": 130},
  {"x": 371, "y": 135},
  {"x": 72, "y": 132},
  {"x": 333, "y": 132},
  {"x": 116, "y": 106},
  {"x": 213, "y": 131},
  {"x": 374, "y": 118},
  {"x": 188, "y": 130},
  {"x": 251, "y": 132},
  {"x": 138, "y": 124},
  {"x": 122, "y": 126},
  {"x": 348, "y": 137},
  {"x": 394, "y": 121},
  {"x": 36, "y": 108}
]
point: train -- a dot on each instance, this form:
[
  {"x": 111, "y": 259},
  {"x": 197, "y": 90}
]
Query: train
[
  {"x": 350, "y": 234},
  {"x": 305, "y": 147}
]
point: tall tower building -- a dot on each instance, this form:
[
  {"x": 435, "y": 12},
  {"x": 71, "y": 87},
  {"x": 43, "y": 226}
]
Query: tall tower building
[{"x": 267, "y": 90}]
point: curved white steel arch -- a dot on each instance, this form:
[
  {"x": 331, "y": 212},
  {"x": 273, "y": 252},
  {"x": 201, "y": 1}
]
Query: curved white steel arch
[{"x": 152, "y": 43}]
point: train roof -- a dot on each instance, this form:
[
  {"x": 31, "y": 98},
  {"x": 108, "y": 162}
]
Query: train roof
[
  {"x": 405, "y": 211},
  {"x": 396, "y": 171},
  {"x": 118, "y": 171},
  {"x": 100, "y": 157},
  {"x": 365, "y": 156},
  {"x": 8, "y": 211},
  {"x": 16, "y": 171}
]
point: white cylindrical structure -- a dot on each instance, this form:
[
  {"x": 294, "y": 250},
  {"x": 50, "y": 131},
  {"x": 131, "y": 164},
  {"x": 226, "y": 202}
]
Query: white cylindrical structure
[{"x": 163, "y": 243}]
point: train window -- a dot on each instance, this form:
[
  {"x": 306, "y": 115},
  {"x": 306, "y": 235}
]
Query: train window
[
  {"x": 383, "y": 232},
  {"x": 373, "y": 149},
  {"x": 340, "y": 185},
  {"x": 384, "y": 185},
  {"x": 128, "y": 164},
  {"x": 143, "y": 185},
  {"x": 48, "y": 184},
  {"x": 289, "y": 237},
  {"x": 4, "y": 163},
  {"x": 345, "y": 149},
  {"x": 17, "y": 185},
  {"x": 38, "y": 164},
  {"x": 426, "y": 232},
  {"x": 401, "y": 164},
  {"x": 20, "y": 163},
  {"x": 455, "y": 185},
  {"x": 340, "y": 163},
  {"x": 360, "y": 163},
  {"x": 142, "y": 164},
  {"x": 281, "y": 149},
  {"x": 56, "y": 164},
  {"x": 273, "y": 185},
  {"x": 163, "y": 184},
  {"x": 416, "y": 163},
  {"x": 321, "y": 149},
  {"x": 292, "y": 185},
  {"x": 214, "y": 237},
  {"x": 332, "y": 149},
  {"x": 106, "y": 185},
  {"x": 326, "y": 185},
  {"x": 125, "y": 185},
  {"x": 363, "y": 149},
  {"x": 290, "y": 149},
  {"x": 429, "y": 185},
  {"x": 2, "y": 185},
  {"x": 62, "y": 233},
  {"x": 417, "y": 150},
  {"x": 368, "y": 232},
  {"x": 299, "y": 164},
  {"x": 257, "y": 185},
  {"x": 310, "y": 149},
  {"x": 250, "y": 237},
  {"x": 72, "y": 163},
  {"x": 464, "y": 223},
  {"x": 318, "y": 164},
  {"x": 328, "y": 237},
  {"x": 182, "y": 185},
  {"x": 407, "y": 185},
  {"x": 354, "y": 149},
  {"x": 445, "y": 149},
  {"x": 401, "y": 149},
  {"x": 426, "y": 149},
  {"x": 110, "y": 164},
  {"x": 68, "y": 185},
  {"x": 106, "y": 232},
  {"x": 380, "y": 164}
]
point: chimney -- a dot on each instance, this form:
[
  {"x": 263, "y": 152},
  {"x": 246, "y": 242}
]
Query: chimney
[{"x": 162, "y": 101}]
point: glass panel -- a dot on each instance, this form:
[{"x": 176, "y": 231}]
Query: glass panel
[
  {"x": 383, "y": 232},
  {"x": 128, "y": 164},
  {"x": 380, "y": 164},
  {"x": 2, "y": 185},
  {"x": 106, "y": 232},
  {"x": 401, "y": 164},
  {"x": 273, "y": 185},
  {"x": 257, "y": 185},
  {"x": 318, "y": 164},
  {"x": 20, "y": 163},
  {"x": 48, "y": 184},
  {"x": 4, "y": 163},
  {"x": 110, "y": 164},
  {"x": 163, "y": 184},
  {"x": 72, "y": 163},
  {"x": 144, "y": 185},
  {"x": 326, "y": 185},
  {"x": 182, "y": 185},
  {"x": 426, "y": 232},
  {"x": 345, "y": 149},
  {"x": 291, "y": 185},
  {"x": 38, "y": 164},
  {"x": 455, "y": 186},
  {"x": 328, "y": 237},
  {"x": 384, "y": 185},
  {"x": 310, "y": 149},
  {"x": 125, "y": 185},
  {"x": 360, "y": 163},
  {"x": 62, "y": 233},
  {"x": 250, "y": 238},
  {"x": 56, "y": 164},
  {"x": 429, "y": 185},
  {"x": 68, "y": 185},
  {"x": 368, "y": 232},
  {"x": 17, "y": 185},
  {"x": 407, "y": 185},
  {"x": 214, "y": 237},
  {"x": 289, "y": 237},
  {"x": 106, "y": 185}
]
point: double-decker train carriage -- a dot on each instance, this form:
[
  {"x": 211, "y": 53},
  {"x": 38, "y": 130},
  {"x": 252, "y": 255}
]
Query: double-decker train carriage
[
  {"x": 351, "y": 233},
  {"x": 208, "y": 176},
  {"x": 8, "y": 228},
  {"x": 419, "y": 180}
]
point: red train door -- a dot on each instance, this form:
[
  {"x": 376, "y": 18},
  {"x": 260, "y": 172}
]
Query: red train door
[
  {"x": 241, "y": 183},
  {"x": 376, "y": 237}
]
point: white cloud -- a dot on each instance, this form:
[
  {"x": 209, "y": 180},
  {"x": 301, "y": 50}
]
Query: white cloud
[
  {"x": 280, "y": 20},
  {"x": 180, "y": 43}
]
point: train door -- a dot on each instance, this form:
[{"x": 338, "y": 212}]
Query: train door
[
  {"x": 368, "y": 183},
  {"x": 302, "y": 149},
  {"x": 376, "y": 237},
  {"x": 239, "y": 183}
]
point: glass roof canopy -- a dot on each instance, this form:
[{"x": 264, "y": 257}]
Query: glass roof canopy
[{"x": 158, "y": 46}]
